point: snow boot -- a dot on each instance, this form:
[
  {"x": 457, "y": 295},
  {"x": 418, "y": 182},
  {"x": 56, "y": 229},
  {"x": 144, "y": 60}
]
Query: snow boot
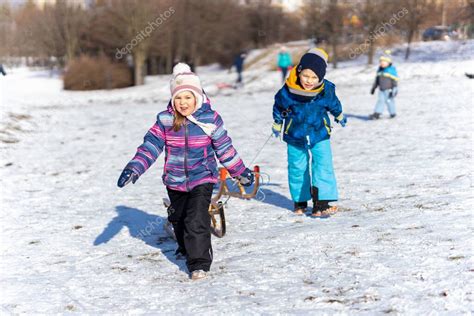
[
  {"x": 374, "y": 116},
  {"x": 320, "y": 208},
  {"x": 300, "y": 208},
  {"x": 393, "y": 115},
  {"x": 198, "y": 274}
]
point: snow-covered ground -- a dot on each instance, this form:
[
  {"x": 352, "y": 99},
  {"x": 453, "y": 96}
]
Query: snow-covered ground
[{"x": 71, "y": 241}]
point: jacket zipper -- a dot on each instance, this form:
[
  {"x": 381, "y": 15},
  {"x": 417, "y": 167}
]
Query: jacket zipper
[
  {"x": 288, "y": 126},
  {"x": 186, "y": 154}
]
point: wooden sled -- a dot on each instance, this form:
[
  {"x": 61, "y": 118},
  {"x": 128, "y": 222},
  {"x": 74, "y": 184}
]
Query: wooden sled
[{"x": 216, "y": 208}]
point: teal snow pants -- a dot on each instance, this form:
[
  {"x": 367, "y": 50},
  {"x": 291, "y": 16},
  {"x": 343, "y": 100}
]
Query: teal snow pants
[{"x": 322, "y": 172}]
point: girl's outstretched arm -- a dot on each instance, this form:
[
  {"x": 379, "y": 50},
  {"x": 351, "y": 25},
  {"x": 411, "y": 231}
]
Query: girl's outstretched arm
[
  {"x": 225, "y": 152},
  {"x": 148, "y": 152}
]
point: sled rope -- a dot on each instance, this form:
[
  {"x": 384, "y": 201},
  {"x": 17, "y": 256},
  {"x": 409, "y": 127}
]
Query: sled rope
[{"x": 260, "y": 150}]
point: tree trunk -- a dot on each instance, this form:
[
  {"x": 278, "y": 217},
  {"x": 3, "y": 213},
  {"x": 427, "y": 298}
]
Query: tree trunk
[
  {"x": 71, "y": 47},
  {"x": 169, "y": 58},
  {"x": 139, "y": 57},
  {"x": 370, "y": 53},
  {"x": 334, "y": 51},
  {"x": 409, "y": 40}
]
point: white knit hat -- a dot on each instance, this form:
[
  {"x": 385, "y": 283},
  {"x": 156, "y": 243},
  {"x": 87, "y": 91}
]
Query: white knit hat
[{"x": 185, "y": 80}]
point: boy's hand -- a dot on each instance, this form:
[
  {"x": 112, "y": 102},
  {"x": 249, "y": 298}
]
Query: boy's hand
[
  {"x": 246, "y": 178},
  {"x": 372, "y": 91},
  {"x": 393, "y": 93},
  {"x": 276, "y": 129},
  {"x": 341, "y": 119},
  {"x": 126, "y": 177}
]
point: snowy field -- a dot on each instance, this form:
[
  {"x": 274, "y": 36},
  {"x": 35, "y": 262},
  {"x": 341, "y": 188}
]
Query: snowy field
[{"x": 72, "y": 242}]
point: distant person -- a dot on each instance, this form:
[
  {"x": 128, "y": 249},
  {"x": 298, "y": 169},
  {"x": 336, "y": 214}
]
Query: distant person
[
  {"x": 184, "y": 131},
  {"x": 284, "y": 62},
  {"x": 300, "y": 114},
  {"x": 387, "y": 81},
  {"x": 2, "y": 70},
  {"x": 239, "y": 66}
]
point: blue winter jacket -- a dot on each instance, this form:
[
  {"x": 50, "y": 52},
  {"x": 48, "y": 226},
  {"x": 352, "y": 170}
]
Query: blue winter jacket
[{"x": 305, "y": 119}]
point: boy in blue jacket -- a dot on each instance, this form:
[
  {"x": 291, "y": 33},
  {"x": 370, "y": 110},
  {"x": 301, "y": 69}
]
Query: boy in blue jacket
[
  {"x": 300, "y": 114},
  {"x": 387, "y": 81}
]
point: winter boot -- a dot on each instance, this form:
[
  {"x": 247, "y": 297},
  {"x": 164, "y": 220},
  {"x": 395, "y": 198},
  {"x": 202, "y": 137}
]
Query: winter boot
[
  {"x": 393, "y": 115},
  {"x": 374, "y": 116},
  {"x": 319, "y": 207},
  {"x": 300, "y": 208},
  {"x": 198, "y": 274}
]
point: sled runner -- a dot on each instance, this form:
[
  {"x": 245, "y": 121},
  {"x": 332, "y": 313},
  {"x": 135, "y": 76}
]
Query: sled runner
[{"x": 216, "y": 208}]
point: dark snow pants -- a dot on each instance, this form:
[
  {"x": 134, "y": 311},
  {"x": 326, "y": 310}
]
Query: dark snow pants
[{"x": 189, "y": 215}]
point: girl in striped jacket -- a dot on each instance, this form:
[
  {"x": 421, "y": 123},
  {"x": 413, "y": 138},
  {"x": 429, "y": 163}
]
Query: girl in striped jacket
[{"x": 191, "y": 134}]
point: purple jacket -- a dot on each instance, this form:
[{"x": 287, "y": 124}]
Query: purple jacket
[{"x": 189, "y": 153}]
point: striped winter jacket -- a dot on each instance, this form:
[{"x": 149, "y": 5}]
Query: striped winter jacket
[{"x": 189, "y": 152}]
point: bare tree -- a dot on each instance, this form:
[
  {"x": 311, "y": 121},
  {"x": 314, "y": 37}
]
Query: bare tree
[
  {"x": 373, "y": 14},
  {"x": 197, "y": 31},
  {"x": 418, "y": 10},
  {"x": 124, "y": 27},
  {"x": 54, "y": 31},
  {"x": 6, "y": 30},
  {"x": 324, "y": 22},
  {"x": 334, "y": 27}
]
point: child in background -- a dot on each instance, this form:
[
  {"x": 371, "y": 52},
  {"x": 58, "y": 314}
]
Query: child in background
[
  {"x": 284, "y": 62},
  {"x": 191, "y": 134},
  {"x": 387, "y": 81},
  {"x": 300, "y": 114}
]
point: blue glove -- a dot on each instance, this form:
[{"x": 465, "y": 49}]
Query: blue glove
[
  {"x": 246, "y": 178},
  {"x": 276, "y": 129},
  {"x": 341, "y": 119},
  {"x": 126, "y": 177}
]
